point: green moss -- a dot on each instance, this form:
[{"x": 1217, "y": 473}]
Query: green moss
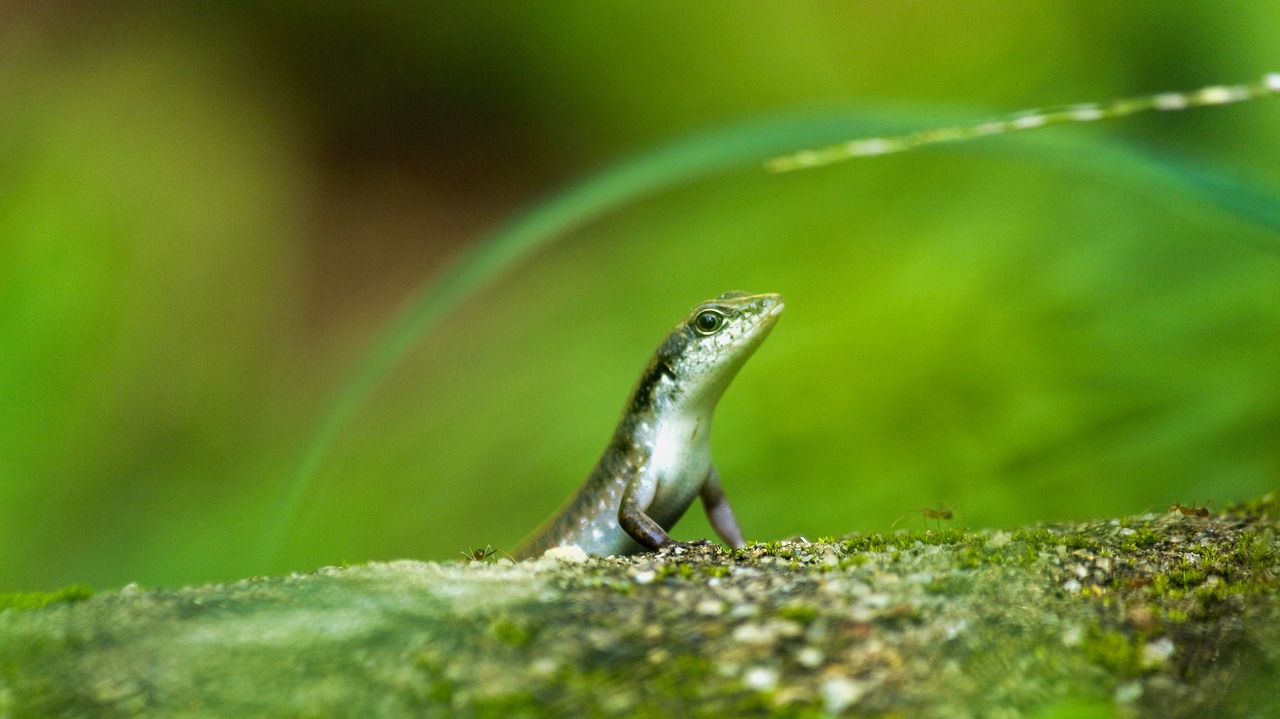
[
  {"x": 676, "y": 570},
  {"x": 1186, "y": 574},
  {"x": 34, "y": 600},
  {"x": 800, "y": 613},
  {"x": 1081, "y": 541},
  {"x": 1115, "y": 651},
  {"x": 438, "y": 689},
  {"x": 1257, "y": 554},
  {"x": 510, "y": 633},
  {"x": 683, "y": 684},
  {"x": 973, "y": 557},
  {"x": 904, "y": 541},
  {"x": 1079, "y": 709},
  {"x": 943, "y": 537},
  {"x": 1026, "y": 556},
  {"x": 1036, "y": 536},
  {"x": 863, "y": 543},
  {"x": 1210, "y": 557},
  {"x": 520, "y": 704},
  {"x": 615, "y": 584},
  {"x": 1140, "y": 539},
  {"x": 855, "y": 560},
  {"x": 714, "y": 570}
]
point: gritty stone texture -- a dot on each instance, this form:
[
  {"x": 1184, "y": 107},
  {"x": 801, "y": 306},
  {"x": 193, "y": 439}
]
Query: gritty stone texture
[{"x": 1156, "y": 615}]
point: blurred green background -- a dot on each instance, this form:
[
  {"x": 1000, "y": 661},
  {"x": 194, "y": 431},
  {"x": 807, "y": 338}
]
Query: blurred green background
[{"x": 209, "y": 212}]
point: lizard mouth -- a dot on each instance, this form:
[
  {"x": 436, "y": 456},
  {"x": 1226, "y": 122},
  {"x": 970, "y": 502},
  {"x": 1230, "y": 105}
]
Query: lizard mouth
[
  {"x": 760, "y": 328},
  {"x": 771, "y": 316}
]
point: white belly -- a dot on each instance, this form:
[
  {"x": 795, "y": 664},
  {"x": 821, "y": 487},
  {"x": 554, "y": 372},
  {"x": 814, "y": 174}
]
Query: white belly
[{"x": 679, "y": 462}]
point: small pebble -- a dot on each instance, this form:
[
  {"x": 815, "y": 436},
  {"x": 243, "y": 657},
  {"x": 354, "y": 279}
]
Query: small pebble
[
  {"x": 571, "y": 554},
  {"x": 709, "y": 607},
  {"x": 839, "y": 693},
  {"x": 1157, "y": 652},
  {"x": 762, "y": 679},
  {"x": 1072, "y": 637},
  {"x": 756, "y": 634},
  {"x": 1128, "y": 693},
  {"x": 998, "y": 540},
  {"x": 810, "y": 657}
]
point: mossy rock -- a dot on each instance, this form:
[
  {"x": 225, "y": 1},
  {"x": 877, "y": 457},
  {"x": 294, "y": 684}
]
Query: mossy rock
[{"x": 1156, "y": 615}]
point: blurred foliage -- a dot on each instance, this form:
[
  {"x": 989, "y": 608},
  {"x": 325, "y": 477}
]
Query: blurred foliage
[{"x": 208, "y": 213}]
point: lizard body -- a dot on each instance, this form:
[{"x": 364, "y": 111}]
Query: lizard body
[{"x": 659, "y": 459}]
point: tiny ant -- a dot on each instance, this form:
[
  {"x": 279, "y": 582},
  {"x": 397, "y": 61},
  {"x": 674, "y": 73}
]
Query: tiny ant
[
  {"x": 1196, "y": 509},
  {"x": 479, "y": 555},
  {"x": 939, "y": 514}
]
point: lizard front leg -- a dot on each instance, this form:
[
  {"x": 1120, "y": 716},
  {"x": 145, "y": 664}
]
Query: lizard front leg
[{"x": 635, "y": 522}]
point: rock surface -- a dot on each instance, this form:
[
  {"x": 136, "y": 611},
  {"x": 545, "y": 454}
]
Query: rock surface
[{"x": 1155, "y": 615}]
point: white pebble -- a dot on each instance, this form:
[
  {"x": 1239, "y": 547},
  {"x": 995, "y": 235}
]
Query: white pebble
[
  {"x": 877, "y": 600},
  {"x": 1128, "y": 693},
  {"x": 544, "y": 667},
  {"x": 756, "y": 634},
  {"x": 998, "y": 540},
  {"x": 839, "y": 693},
  {"x": 810, "y": 657},
  {"x": 709, "y": 607},
  {"x": 1156, "y": 653},
  {"x": 1072, "y": 637},
  {"x": 762, "y": 679},
  {"x": 571, "y": 554}
]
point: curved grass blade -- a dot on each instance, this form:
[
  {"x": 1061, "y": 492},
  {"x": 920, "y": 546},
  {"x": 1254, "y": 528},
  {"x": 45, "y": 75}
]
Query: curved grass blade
[{"x": 1027, "y": 120}]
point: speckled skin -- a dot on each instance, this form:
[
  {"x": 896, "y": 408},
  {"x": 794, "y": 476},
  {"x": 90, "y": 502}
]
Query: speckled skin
[{"x": 659, "y": 459}]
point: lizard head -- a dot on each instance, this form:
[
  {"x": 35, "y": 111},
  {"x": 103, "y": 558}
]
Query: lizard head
[{"x": 701, "y": 355}]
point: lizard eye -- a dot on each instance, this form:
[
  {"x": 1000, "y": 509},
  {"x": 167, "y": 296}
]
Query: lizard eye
[{"x": 708, "y": 322}]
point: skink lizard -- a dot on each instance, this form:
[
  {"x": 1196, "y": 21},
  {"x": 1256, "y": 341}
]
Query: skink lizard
[{"x": 660, "y": 456}]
